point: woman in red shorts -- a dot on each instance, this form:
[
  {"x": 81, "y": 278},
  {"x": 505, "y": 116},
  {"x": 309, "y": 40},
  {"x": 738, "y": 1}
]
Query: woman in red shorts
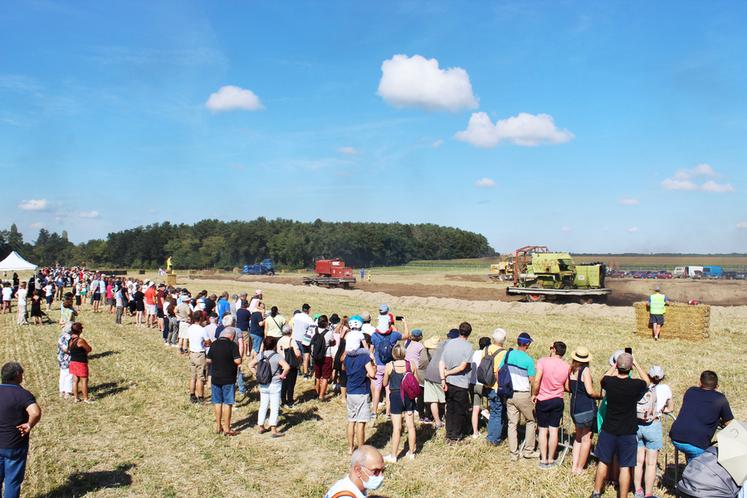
[{"x": 79, "y": 350}]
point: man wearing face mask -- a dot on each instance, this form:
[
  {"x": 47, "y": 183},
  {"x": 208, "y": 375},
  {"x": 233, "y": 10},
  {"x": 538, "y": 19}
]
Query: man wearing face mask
[{"x": 366, "y": 474}]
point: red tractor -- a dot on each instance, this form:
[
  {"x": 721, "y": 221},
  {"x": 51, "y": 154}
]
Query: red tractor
[{"x": 331, "y": 273}]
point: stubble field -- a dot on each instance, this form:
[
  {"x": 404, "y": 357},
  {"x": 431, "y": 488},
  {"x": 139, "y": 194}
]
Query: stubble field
[{"x": 142, "y": 437}]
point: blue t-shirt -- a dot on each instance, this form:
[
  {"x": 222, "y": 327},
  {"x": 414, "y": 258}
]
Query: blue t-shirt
[
  {"x": 376, "y": 338},
  {"x": 356, "y": 368},
  {"x": 223, "y": 308},
  {"x": 701, "y": 412},
  {"x": 243, "y": 317},
  {"x": 254, "y": 327}
]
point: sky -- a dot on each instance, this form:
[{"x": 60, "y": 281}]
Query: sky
[{"x": 584, "y": 126}]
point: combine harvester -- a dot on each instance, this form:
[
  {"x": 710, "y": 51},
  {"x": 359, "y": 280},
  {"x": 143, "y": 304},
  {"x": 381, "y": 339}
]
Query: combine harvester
[
  {"x": 540, "y": 275},
  {"x": 331, "y": 273}
]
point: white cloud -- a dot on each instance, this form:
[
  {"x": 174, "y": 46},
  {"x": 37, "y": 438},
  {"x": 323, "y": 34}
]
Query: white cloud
[
  {"x": 37, "y": 225},
  {"x": 231, "y": 98},
  {"x": 629, "y": 201},
  {"x": 687, "y": 179},
  {"x": 437, "y": 143},
  {"x": 88, "y": 214},
  {"x": 419, "y": 82},
  {"x": 632, "y": 229},
  {"x": 523, "y": 129},
  {"x": 566, "y": 229},
  {"x": 485, "y": 183},
  {"x": 742, "y": 225},
  {"x": 33, "y": 205},
  {"x": 348, "y": 150}
]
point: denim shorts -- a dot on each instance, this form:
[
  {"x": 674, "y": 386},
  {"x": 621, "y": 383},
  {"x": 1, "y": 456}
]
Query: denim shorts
[
  {"x": 649, "y": 435},
  {"x": 222, "y": 395},
  {"x": 256, "y": 342}
]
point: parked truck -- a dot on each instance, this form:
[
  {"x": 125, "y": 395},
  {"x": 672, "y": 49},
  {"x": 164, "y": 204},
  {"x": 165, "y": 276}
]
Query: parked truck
[
  {"x": 539, "y": 275},
  {"x": 263, "y": 268},
  {"x": 331, "y": 273}
]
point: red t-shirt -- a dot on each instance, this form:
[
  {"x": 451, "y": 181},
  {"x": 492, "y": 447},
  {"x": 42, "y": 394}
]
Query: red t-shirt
[{"x": 150, "y": 295}]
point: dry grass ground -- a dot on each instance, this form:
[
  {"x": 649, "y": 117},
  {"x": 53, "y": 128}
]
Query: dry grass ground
[{"x": 143, "y": 438}]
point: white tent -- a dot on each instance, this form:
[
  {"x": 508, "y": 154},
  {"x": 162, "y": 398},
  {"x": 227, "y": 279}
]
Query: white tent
[{"x": 14, "y": 262}]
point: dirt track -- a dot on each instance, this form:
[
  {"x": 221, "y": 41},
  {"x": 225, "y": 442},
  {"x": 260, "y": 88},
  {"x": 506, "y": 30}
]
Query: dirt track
[{"x": 624, "y": 291}]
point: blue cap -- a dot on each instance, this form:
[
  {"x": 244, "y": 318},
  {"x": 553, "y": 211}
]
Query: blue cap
[
  {"x": 524, "y": 338},
  {"x": 453, "y": 334},
  {"x": 383, "y": 308},
  {"x": 416, "y": 333}
]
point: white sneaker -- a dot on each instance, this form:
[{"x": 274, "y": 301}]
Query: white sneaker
[
  {"x": 390, "y": 459},
  {"x": 410, "y": 456}
]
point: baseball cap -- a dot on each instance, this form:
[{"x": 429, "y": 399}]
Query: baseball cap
[
  {"x": 524, "y": 338},
  {"x": 453, "y": 334},
  {"x": 334, "y": 319},
  {"x": 383, "y": 308},
  {"x": 365, "y": 316},
  {"x": 656, "y": 371},
  {"x": 657, "y": 288},
  {"x": 258, "y": 292},
  {"x": 624, "y": 361},
  {"x": 416, "y": 333},
  {"x": 305, "y": 307}
]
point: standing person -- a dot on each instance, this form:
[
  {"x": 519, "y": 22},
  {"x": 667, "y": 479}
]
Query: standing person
[
  {"x": 67, "y": 311},
  {"x": 7, "y": 297},
  {"x": 617, "y": 437},
  {"x": 19, "y": 413},
  {"x": 274, "y": 323},
  {"x": 223, "y": 306},
  {"x": 229, "y": 322},
  {"x": 257, "y": 328},
  {"x": 198, "y": 341},
  {"x": 110, "y": 294},
  {"x": 150, "y": 296},
  {"x": 416, "y": 353},
  {"x": 255, "y": 301},
  {"x": 321, "y": 350},
  {"x": 301, "y": 323},
  {"x": 657, "y": 307},
  {"x": 476, "y": 389},
  {"x": 95, "y": 294},
  {"x": 36, "y": 311},
  {"x": 703, "y": 409},
  {"x": 79, "y": 350},
  {"x": 382, "y": 343},
  {"x": 433, "y": 393},
  {"x": 224, "y": 358},
  {"x": 650, "y": 433},
  {"x": 360, "y": 368},
  {"x": 522, "y": 369},
  {"x": 243, "y": 320},
  {"x": 583, "y": 408},
  {"x": 496, "y": 403},
  {"x": 549, "y": 384},
  {"x": 455, "y": 369},
  {"x": 63, "y": 361},
  {"x": 366, "y": 474},
  {"x": 139, "y": 298},
  {"x": 401, "y": 404},
  {"x": 49, "y": 294},
  {"x": 119, "y": 304},
  {"x": 21, "y": 294},
  {"x": 183, "y": 313},
  {"x": 292, "y": 355},
  {"x": 269, "y": 368}
]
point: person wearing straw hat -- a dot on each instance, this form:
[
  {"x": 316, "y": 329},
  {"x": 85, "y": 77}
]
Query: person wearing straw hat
[
  {"x": 657, "y": 307},
  {"x": 583, "y": 407}
]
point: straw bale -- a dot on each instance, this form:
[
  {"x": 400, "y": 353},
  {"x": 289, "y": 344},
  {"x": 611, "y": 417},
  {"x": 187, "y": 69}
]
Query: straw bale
[{"x": 681, "y": 321}]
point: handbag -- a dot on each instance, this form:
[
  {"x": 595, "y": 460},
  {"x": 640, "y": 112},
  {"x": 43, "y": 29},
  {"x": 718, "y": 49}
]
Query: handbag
[{"x": 582, "y": 418}]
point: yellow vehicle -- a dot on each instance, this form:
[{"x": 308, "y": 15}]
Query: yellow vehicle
[{"x": 502, "y": 271}]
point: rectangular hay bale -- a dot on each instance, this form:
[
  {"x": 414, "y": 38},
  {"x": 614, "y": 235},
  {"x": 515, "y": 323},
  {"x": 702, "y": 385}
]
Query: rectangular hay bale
[{"x": 681, "y": 321}]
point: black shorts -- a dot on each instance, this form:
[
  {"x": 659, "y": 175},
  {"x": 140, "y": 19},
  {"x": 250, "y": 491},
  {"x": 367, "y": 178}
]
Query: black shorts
[
  {"x": 656, "y": 319},
  {"x": 96, "y": 296},
  {"x": 397, "y": 405},
  {"x": 609, "y": 445},
  {"x": 549, "y": 412},
  {"x": 159, "y": 312}
]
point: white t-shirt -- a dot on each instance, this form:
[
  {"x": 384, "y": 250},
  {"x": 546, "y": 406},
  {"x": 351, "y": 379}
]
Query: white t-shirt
[
  {"x": 345, "y": 484},
  {"x": 48, "y": 289},
  {"x": 301, "y": 322},
  {"x": 197, "y": 334},
  {"x": 7, "y": 293},
  {"x": 353, "y": 340},
  {"x": 21, "y": 296},
  {"x": 477, "y": 357},
  {"x": 663, "y": 394},
  {"x": 368, "y": 329}
]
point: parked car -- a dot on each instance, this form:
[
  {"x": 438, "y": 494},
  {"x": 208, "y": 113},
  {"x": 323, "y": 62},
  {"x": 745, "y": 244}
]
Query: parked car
[{"x": 664, "y": 275}]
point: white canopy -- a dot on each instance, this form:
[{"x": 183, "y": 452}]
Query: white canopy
[{"x": 14, "y": 262}]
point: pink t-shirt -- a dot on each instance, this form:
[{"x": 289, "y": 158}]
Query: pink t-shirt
[{"x": 554, "y": 373}]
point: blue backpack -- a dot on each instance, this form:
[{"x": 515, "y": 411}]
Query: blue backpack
[
  {"x": 505, "y": 385},
  {"x": 384, "y": 348}
]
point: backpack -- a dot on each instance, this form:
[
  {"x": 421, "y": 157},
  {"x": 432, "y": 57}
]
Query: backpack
[
  {"x": 319, "y": 346},
  {"x": 410, "y": 386},
  {"x": 384, "y": 348},
  {"x": 486, "y": 369},
  {"x": 290, "y": 357},
  {"x": 264, "y": 369},
  {"x": 505, "y": 385},
  {"x": 646, "y": 407}
]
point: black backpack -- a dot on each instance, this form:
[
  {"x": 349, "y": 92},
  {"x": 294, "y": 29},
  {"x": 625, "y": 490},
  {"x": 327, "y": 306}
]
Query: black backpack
[
  {"x": 319, "y": 346},
  {"x": 505, "y": 385},
  {"x": 264, "y": 369},
  {"x": 485, "y": 371},
  {"x": 290, "y": 357}
]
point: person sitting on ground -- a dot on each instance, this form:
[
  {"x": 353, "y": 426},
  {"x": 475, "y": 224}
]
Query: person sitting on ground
[
  {"x": 366, "y": 474},
  {"x": 360, "y": 370},
  {"x": 224, "y": 358},
  {"x": 583, "y": 408},
  {"x": 703, "y": 409},
  {"x": 401, "y": 404},
  {"x": 269, "y": 392},
  {"x": 549, "y": 381},
  {"x": 650, "y": 432},
  {"x": 617, "y": 439},
  {"x": 522, "y": 370}
]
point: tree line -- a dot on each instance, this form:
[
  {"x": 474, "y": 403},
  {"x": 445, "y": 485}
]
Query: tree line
[{"x": 221, "y": 244}]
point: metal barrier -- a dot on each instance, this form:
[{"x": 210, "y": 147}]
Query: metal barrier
[{"x": 666, "y": 425}]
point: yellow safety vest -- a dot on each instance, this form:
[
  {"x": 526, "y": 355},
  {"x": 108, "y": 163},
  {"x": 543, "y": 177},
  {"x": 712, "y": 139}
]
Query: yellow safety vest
[{"x": 657, "y": 304}]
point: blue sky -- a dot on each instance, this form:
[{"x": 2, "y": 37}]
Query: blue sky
[{"x": 586, "y": 126}]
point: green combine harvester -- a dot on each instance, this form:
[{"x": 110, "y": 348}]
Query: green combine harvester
[{"x": 541, "y": 275}]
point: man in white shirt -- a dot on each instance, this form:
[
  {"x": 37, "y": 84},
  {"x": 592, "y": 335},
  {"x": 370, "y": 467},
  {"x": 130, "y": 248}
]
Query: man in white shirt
[
  {"x": 21, "y": 294},
  {"x": 198, "y": 341},
  {"x": 366, "y": 474},
  {"x": 301, "y": 323}
]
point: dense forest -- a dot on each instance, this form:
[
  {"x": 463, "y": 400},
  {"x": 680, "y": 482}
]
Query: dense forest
[{"x": 219, "y": 244}]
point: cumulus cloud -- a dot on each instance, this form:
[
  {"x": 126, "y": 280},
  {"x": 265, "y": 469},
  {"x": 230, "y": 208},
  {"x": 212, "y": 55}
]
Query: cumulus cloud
[
  {"x": 524, "y": 129},
  {"x": 348, "y": 150},
  {"x": 691, "y": 178},
  {"x": 437, "y": 143},
  {"x": 629, "y": 201},
  {"x": 742, "y": 225},
  {"x": 232, "y": 98},
  {"x": 33, "y": 205},
  {"x": 419, "y": 82},
  {"x": 632, "y": 229},
  {"x": 485, "y": 183},
  {"x": 88, "y": 214}
]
